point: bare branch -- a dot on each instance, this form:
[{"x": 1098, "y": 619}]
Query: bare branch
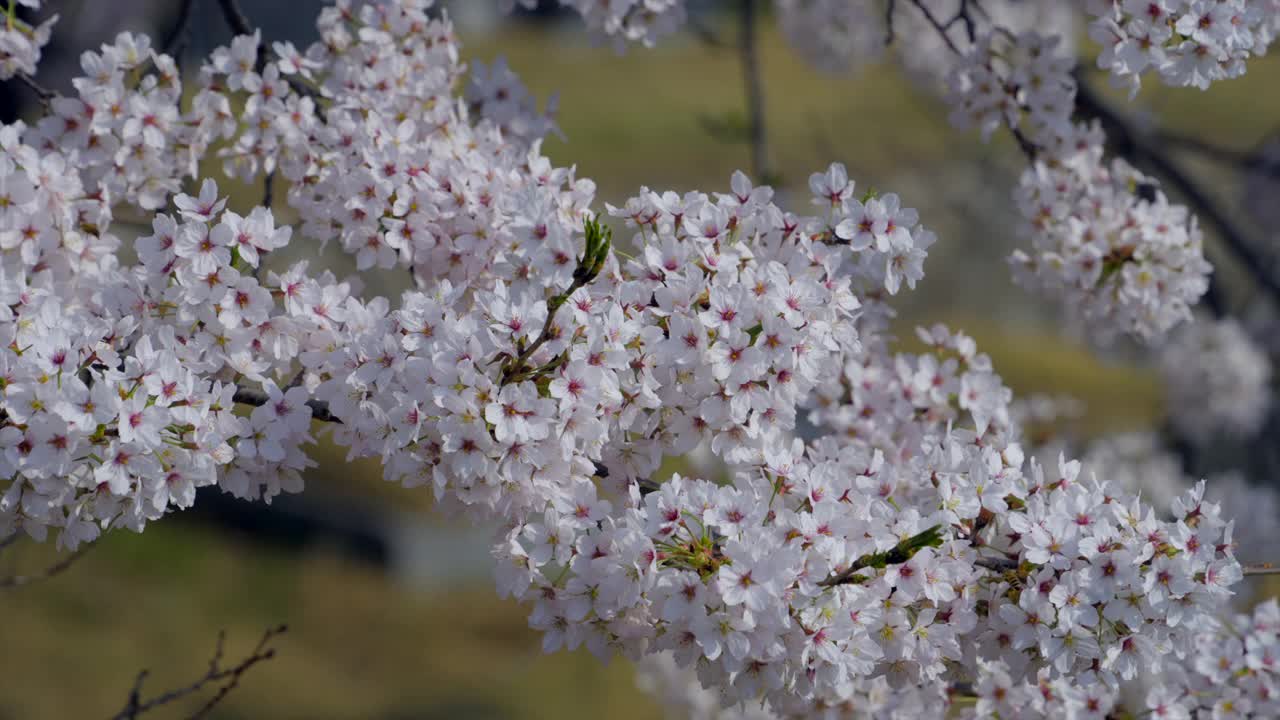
[
  {"x": 53, "y": 570},
  {"x": 1261, "y": 569},
  {"x": 226, "y": 678},
  {"x": 937, "y": 25},
  {"x": 889, "y": 8},
  {"x": 235, "y": 17},
  {"x": 963, "y": 15}
]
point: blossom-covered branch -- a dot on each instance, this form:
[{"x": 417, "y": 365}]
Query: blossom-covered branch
[
  {"x": 1130, "y": 143},
  {"x": 544, "y": 366}
]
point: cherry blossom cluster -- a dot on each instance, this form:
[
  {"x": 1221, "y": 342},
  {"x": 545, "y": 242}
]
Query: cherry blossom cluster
[
  {"x": 20, "y": 42},
  {"x": 1231, "y": 673},
  {"x": 124, "y": 126},
  {"x": 823, "y": 571},
  {"x": 399, "y": 173},
  {"x": 1140, "y": 463},
  {"x": 1217, "y": 380},
  {"x": 642, "y": 21},
  {"x": 1187, "y": 42},
  {"x": 926, "y": 51},
  {"x": 517, "y": 393},
  {"x": 1105, "y": 240},
  {"x": 118, "y": 382},
  {"x": 541, "y": 370},
  {"x": 683, "y": 698}
]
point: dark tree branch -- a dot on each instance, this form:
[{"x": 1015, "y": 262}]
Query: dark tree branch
[
  {"x": 319, "y": 410},
  {"x": 896, "y": 555},
  {"x": 235, "y": 17},
  {"x": 705, "y": 33},
  {"x": 53, "y": 570},
  {"x": 1129, "y": 143},
  {"x": 963, "y": 15},
  {"x": 937, "y": 25},
  {"x": 749, "y": 50},
  {"x": 44, "y": 94},
  {"x": 268, "y": 183},
  {"x": 226, "y": 678},
  {"x": 889, "y": 8},
  {"x": 1231, "y": 157},
  {"x": 997, "y": 564},
  {"x": 176, "y": 41}
]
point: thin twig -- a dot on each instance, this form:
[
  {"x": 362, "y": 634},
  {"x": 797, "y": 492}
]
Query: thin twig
[
  {"x": 937, "y": 25},
  {"x": 44, "y": 94},
  {"x": 227, "y": 679},
  {"x": 750, "y": 57},
  {"x": 1261, "y": 569},
  {"x": 963, "y": 16},
  {"x": 53, "y": 570}
]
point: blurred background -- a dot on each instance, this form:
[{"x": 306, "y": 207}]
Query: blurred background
[{"x": 391, "y": 606}]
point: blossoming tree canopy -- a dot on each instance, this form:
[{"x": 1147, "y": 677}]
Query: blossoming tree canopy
[{"x": 555, "y": 350}]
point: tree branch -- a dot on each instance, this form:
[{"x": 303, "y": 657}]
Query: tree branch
[
  {"x": 997, "y": 564},
  {"x": 963, "y": 16},
  {"x": 44, "y": 94},
  {"x": 1260, "y": 569},
  {"x": 937, "y": 25},
  {"x": 227, "y": 677},
  {"x": 889, "y": 8},
  {"x": 249, "y": 396},
  {"x": 897, "y": 555},
  {"x": 235, "y": 17},
  {"x": 1130, "y": 143},
  {"x": 53, "y": 570},
  {"x": 176, "y": 41}
]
